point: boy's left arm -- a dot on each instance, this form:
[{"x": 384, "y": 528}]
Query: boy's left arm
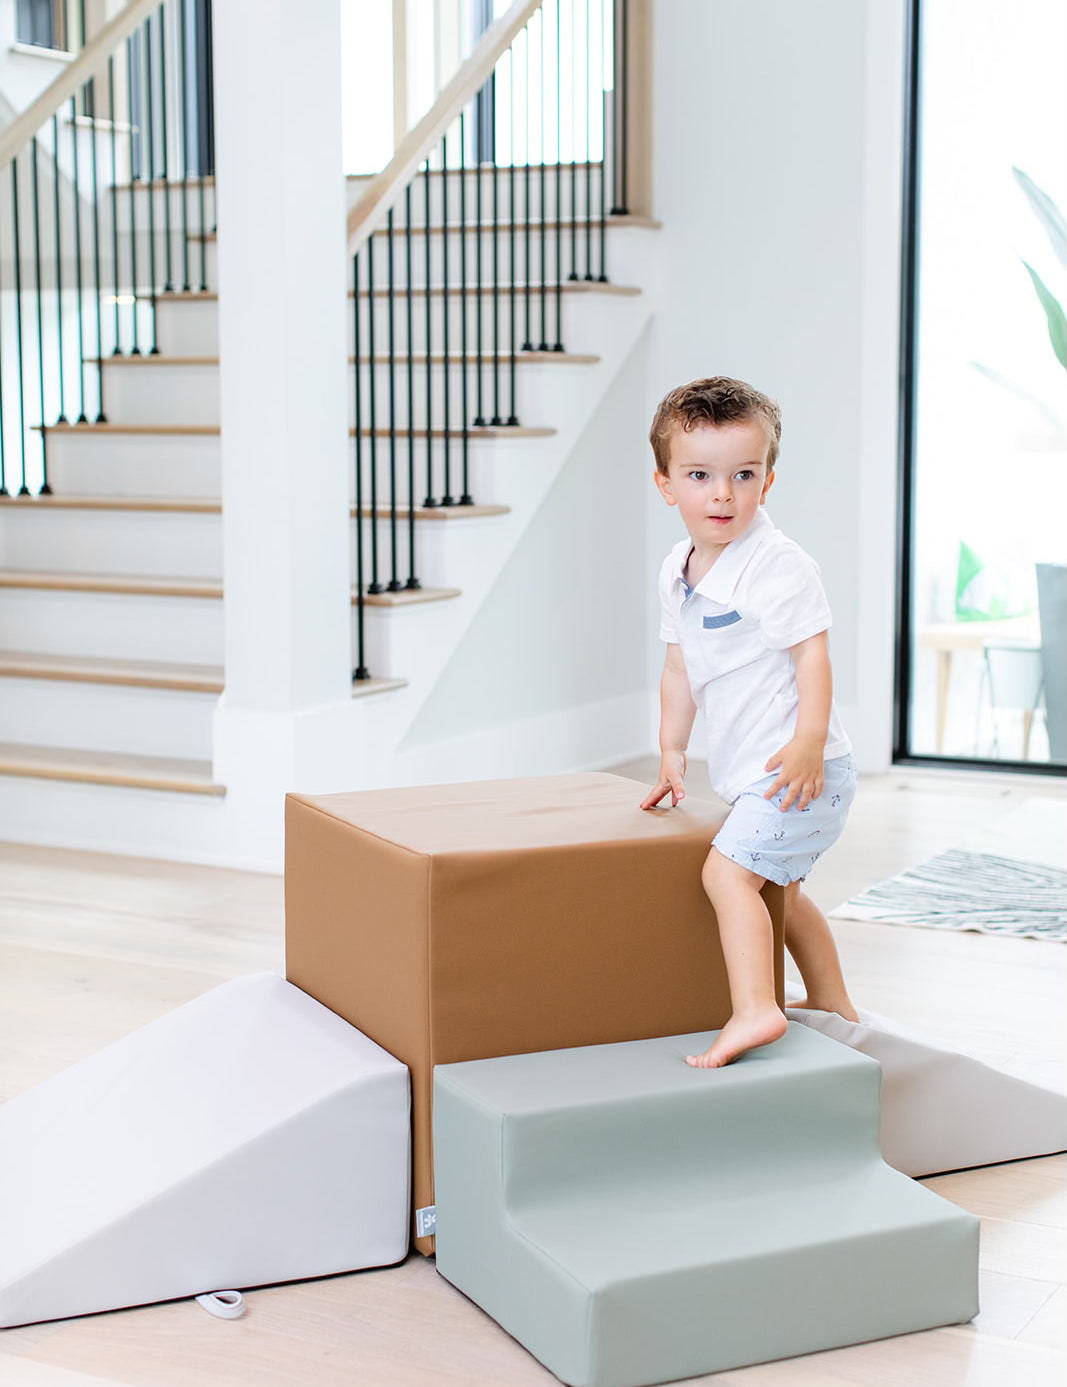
[{"x": 800, "y": 762}]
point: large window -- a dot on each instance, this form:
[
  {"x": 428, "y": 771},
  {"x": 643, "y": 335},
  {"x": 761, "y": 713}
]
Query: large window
[{"x": 982, "y": 662}]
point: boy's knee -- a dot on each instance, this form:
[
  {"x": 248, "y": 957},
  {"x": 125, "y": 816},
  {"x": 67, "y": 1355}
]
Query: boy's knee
[{"x": 721, "y": 873}]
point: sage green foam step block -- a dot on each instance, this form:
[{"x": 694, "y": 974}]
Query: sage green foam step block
[{"x": 631, "y": 1220}]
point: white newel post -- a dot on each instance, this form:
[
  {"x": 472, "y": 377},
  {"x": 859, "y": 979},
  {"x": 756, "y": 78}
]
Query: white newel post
[{"x": 283, "y": 352}]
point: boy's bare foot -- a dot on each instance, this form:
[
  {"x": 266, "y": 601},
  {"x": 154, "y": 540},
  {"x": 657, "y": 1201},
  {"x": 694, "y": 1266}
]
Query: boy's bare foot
[
  {"x": 746, "y": 1031},
  {"x": 839, "y": 1005}
]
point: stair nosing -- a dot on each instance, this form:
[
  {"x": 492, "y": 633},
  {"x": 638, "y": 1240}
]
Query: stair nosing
[
  {"x": 133, "y": 585},
  {"x": 91, "y": 669},
  {"x": 406, "y": 597},
  {"x": 120, "y": 769},
  {"x": 182, "y": 505}
]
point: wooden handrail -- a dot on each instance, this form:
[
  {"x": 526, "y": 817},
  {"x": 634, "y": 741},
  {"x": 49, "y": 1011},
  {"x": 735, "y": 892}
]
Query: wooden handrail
[
  {"x": 88, "y": 64},
  {"x": 385, "y": 188}
]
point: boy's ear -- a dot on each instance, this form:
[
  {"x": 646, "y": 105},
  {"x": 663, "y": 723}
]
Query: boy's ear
[
  {"x": 663, "y": 486},
  {"x": 766, "y": 487}
]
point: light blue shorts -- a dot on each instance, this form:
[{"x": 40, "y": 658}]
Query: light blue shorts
[{"x": 785, "y": 847}]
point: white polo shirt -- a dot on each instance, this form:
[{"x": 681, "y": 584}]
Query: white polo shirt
[{"x": 762, "y": 595}]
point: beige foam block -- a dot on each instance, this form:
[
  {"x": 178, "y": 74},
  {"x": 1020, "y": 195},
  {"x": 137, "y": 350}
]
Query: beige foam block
[{"x": 460, "y": 922}]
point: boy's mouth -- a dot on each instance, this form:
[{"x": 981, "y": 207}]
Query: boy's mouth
[{"x": 720, "y": 519}]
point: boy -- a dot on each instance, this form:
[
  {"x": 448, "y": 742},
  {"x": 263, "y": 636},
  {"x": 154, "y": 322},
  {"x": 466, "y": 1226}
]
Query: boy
[{"x": 745, "y": 620}]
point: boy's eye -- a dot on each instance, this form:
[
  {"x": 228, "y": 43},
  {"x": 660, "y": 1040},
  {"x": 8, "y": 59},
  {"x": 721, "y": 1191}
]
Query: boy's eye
[
  {"x": 698, "y": 476},
  {"x": 745, "y": 475}
]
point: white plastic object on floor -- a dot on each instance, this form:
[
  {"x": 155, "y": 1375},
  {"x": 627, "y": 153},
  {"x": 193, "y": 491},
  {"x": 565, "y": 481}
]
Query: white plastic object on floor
[
  {"x": 224, "y": 1305},
  {"x": 247, "y": 1138},
  {"x": 942, "y": 1110}
]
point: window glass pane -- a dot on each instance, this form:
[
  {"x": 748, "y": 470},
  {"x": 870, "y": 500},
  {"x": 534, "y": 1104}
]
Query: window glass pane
[{"x": 989, "y": 461}]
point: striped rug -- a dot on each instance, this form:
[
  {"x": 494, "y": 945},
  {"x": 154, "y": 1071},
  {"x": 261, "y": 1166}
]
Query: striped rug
[{"x": 969, "y": 891}]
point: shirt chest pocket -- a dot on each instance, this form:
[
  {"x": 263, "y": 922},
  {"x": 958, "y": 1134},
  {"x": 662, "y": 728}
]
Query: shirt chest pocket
[
  {"x": 716, "y": 623},
  {"x": 723, "y": 642}
]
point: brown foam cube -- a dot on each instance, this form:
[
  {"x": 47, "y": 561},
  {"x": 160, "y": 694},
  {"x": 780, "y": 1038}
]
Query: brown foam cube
[{"x": 461, "y": 922}]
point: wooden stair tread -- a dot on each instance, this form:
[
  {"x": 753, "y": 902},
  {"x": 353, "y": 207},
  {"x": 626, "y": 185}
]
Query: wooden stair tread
[
  {"x": 191, "y": 505},
  {"x": 133, "y": 584},
  {"x": 569, "y": 286},
  {"x": 522, "y": 358},
  {"x": 407, "y": 597},
  {"x": 363, "y": 688},
  {"x": 432, "y": 512},
  {"x": 637, "y": 220},
  {"x": 474, "y": 431},
  {"x": 94, "y": 669},
  {"x": 109, "y": 768}
]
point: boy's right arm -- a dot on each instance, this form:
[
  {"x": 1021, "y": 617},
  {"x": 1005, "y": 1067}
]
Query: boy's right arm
[{"x": 677, "y": 711}]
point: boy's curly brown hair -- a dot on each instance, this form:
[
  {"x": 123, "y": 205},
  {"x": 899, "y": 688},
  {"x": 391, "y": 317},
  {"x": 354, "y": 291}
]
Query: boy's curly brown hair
[{"x": 715, "y": 401}]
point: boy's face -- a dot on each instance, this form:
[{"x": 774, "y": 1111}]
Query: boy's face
[{"x": 717, "y": 477}]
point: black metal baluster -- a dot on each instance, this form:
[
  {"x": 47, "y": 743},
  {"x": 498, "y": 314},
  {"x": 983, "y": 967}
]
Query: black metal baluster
[
  {"x": 37, "y": 270},
  {"x": 447, "y": 499},
  {"x": 148, "y": 143},
  {"x": 374, "y": 586},
  {"x": 496, "y": 418},
  {"x": 479, "y": 417},
  {"x": 543, "y": 344},
  {"x": 428, "y": 500},
  {"x": 101, "y": 417},
  {"x": 23, "y": 489},
  {"x": 465, "y": 496},
  {"x": 412, "y": 581},
  {"x": 394, "y": 584},
  {"x": 513, "y": 418},
  {"x": 184, "y": 85},
  {"x": 62, "y": 419},
  {"x": 82, "y": 417},
  {"x": 588, "y": 140},
  {"x": 558, "y": 344},
  {"x": 168, "y": 286},
  {"x": 527, "y": 344},
  {"x": 360, "y": 671},
  {"x": 134, "y": 166},
  {"x": 114, "y": 201},
  {"x": 574, "y": 141}
]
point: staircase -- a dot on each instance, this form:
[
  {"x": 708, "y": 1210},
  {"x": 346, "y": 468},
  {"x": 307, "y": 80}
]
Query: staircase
[{"x": 111, "y": 601}]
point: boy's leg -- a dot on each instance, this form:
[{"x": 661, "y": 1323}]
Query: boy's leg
[
  {"x": 748, "y": 948},
  {"x": 811, "y": 945}
]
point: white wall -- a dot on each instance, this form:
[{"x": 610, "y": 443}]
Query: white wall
[
  {"x": 776, "y": 159},
  {"x": 565, "y": 625}
]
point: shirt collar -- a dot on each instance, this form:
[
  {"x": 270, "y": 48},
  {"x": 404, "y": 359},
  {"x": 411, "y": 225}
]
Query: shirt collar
[{"x": 721, "y": 579}]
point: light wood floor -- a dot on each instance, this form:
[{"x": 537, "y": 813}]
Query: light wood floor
[{"x": 92, "y": 947}]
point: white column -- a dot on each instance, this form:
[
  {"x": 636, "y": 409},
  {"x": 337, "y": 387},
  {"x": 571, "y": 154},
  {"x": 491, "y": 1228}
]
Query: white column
[{"x": 282, "y": 340}]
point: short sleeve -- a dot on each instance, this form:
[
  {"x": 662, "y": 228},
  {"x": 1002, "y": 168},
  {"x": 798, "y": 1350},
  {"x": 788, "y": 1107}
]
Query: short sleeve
[
  {"x": 785, "y": 596},
  {"x": 668, "y": 617}
]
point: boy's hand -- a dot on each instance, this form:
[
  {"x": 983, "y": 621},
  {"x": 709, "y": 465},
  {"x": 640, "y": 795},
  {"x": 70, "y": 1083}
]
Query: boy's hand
[
  {"x": 671, "y": 780},
  {"x": 800, "y": 770}
]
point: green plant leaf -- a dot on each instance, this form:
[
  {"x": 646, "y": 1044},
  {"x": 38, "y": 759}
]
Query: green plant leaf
[
  {"x": 1046, "y": 211},
  {"x": 1057, "y": 321}
]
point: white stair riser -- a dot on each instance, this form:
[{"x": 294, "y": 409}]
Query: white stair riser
[
  {"x": 160, "y": 393},
  {"x": 105, "y": 717},
  {"x": 159, "y": 544},
  {"x": 519, "y": 255},
  {"x": 187, "y": 326},
  {"x": 102, "y": 464},
  {"x": 491, "y": 467},
  {"x": 113, "y": 625},
  {"x": 440, "y": 550},
  {"x": 576, "y": 334},
  {"x": 532, "y": 380},
  {"x": 573, "y": 183}
]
